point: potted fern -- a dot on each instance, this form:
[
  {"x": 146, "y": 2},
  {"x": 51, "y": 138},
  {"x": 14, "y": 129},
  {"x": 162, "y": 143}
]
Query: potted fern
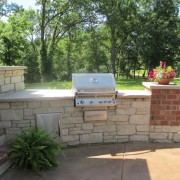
[{"x": 35, "y": 150}]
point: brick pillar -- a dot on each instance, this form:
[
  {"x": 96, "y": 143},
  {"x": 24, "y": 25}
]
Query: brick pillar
[{"x": 165, "y": 104}]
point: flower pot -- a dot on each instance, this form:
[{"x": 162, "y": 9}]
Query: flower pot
[{"x": 164, "y": 81}]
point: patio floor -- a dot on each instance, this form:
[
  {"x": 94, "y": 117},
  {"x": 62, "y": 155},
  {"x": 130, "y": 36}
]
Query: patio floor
[{"x": 136, "y": 161}]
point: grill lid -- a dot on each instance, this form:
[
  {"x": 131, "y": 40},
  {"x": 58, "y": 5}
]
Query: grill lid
[{"x": 93, "y": 83}]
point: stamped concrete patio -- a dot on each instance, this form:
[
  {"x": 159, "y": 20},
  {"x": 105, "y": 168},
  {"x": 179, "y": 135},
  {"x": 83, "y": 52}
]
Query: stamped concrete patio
[{"x": 135, "y": 161}]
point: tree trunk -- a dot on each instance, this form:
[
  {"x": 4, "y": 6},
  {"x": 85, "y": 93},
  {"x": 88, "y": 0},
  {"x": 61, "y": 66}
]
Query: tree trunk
[
  {"x": 46, "y": 67},
  {"x": 113, "y": 50}
]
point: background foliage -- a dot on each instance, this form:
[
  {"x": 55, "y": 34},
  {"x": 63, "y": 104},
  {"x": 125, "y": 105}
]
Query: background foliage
[{"x": 66, "y": 36}]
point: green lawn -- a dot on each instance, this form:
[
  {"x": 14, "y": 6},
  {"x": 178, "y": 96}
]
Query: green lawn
[{"x": 122, "y": 84}]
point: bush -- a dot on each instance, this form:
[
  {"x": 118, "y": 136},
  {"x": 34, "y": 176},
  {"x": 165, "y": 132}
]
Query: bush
[{"x": 34, "y": 150}]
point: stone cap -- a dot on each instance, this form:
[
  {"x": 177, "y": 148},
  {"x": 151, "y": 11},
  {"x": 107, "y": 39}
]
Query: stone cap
[
  {"x": 2, "y": 68},
  {"x": 36, "y": 94},
  {"x": 154, "y": 85},
  {"x": 133, "y": 94}
]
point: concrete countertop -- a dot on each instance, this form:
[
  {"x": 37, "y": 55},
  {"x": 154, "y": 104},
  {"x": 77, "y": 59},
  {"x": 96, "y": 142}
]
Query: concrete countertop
[{"x": 47, "y": 94}]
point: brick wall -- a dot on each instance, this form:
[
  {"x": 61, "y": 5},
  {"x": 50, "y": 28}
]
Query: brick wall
[
  {"x": 11, "y": 78},
  {"x": 165, "y": 107}
]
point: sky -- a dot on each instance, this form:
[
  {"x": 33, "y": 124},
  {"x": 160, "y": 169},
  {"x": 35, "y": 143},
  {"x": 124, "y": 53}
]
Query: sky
[{"x": 25, "y": 3}]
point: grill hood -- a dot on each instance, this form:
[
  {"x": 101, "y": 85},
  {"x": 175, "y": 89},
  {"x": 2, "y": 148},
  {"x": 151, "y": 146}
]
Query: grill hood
[{"x": 93, "y": 83}]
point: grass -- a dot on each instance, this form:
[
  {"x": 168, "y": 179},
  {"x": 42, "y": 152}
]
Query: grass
[{"x": 122, "y": 84}]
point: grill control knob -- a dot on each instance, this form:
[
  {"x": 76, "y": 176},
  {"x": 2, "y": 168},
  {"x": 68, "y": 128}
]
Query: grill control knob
[
  {"x": 109, "y": 101},
  {"x": 100, "y": 101},
  {"x": 91, "y": 102},
  {"x": 81, "y": 102}
]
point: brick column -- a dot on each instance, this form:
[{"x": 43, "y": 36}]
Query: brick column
[{"x": 165, "y": 104}]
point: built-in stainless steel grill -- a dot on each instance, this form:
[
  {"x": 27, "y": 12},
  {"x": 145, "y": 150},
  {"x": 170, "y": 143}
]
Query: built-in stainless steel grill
[{"x": 94, "y": 89}]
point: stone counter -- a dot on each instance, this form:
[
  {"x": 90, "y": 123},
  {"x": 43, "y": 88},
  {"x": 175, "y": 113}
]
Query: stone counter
[{"x": 129, "y": 121}]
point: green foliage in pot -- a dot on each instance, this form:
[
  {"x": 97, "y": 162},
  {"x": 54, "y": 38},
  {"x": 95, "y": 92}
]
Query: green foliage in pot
[{"x": 35, "y": 150}]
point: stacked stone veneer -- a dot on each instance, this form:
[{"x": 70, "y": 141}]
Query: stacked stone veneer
[
  {"x": 128, "y": 121},
  {"x": 11, "y": 78}
]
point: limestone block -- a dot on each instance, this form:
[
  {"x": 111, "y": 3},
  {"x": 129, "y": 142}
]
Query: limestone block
[
  {"x": 121, "y": 137},
  {"x": 151, "y": 129},
  {"x": 68, "y": 102},
  {"x": 4, "y": 106},
  {"x": 176, "y": 137},
  {"x": 18, "y": 72},
  {"x": 33, "y": 123},
  {"x": 64, "y": 132},
  {"x": 22, "y": 78},
  {"x": 44, "y": 104},
  {"x": 69, "y": 109},
  {"x": 143, "y": 111},
  {"x": 108, "y": 137},
  {"x": 40, "y": 110},
  {"x": 91, "y": 138},
  {"x": 110, "y": 140},
  {"x": 170, "y": 135},
  {"x": 109, "y": 128},
  {"x": 28, "y": 112},
  {"x": 11, "y": 132},
  {"x": 11, "y": 115},
  {"x": 141, "y": 104},
  {"x": 74, "y": 129},
  {"x": 19, "y": 86},
  {"x": 18, "y": 105},
  {"x": 80, "y": 132},
  {"x": 119, "y": 118},
  {"x": 34, "y": 104},
  {"x": 67, "y": 126},
  {"x": 100, "y": 124},
  {"x": 7, "y": 80},
  {"x": 73, "y": 143},
  {"x": 126, "y": 111},
  {"x": 70, "y": 138},
  {"x": 5, "y": 124},
  {"x": 142, "y": 128},
  {"x": 8, "y": 73},
  {"x": 126, "y": 129},
  {"x": 123, "y": 140},
  {"x": 87, "y": 126},
  {"x": 2, "y": 71},
  {"x": 78, "y": 125},
  {"x": 76, "y": 113},
  {"x": 15, "y": 79},
  {"x": 163, "y": 140},
  {"x": 143, "y": 138},
  {"x": 59, "y": 103},
  {"x": 139, "y": 119},
  {"x": 158, "y": 129},
  {"x": 72, "y": 120},
  {"x": 165, "y": 128},
  {"x": 174, "y": 129},
  {"x": 1, "y": 80},
  {"x": 56, "y": 109},
  {"x": 23, "y": 125},
  {"x": 26, "y": 117},
  {"x": 158, "y": 135},
  {"x": 7, "y": 88}
]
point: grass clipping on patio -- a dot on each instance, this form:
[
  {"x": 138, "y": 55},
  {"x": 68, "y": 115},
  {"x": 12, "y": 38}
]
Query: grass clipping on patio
[{"x": 35, "y": 149}]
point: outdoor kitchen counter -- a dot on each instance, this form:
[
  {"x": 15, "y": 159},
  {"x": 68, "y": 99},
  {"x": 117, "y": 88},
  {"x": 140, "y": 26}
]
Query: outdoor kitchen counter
[{"x": 47, "y": 94}]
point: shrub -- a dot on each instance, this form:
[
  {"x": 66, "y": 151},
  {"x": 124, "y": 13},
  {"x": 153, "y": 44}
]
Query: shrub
[{"x": 35, "y": 150}]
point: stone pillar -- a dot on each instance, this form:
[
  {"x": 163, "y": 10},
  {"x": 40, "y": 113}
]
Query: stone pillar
[
  {"x": 11, "y": 78},
  {"x": 165, "y": 104}
]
